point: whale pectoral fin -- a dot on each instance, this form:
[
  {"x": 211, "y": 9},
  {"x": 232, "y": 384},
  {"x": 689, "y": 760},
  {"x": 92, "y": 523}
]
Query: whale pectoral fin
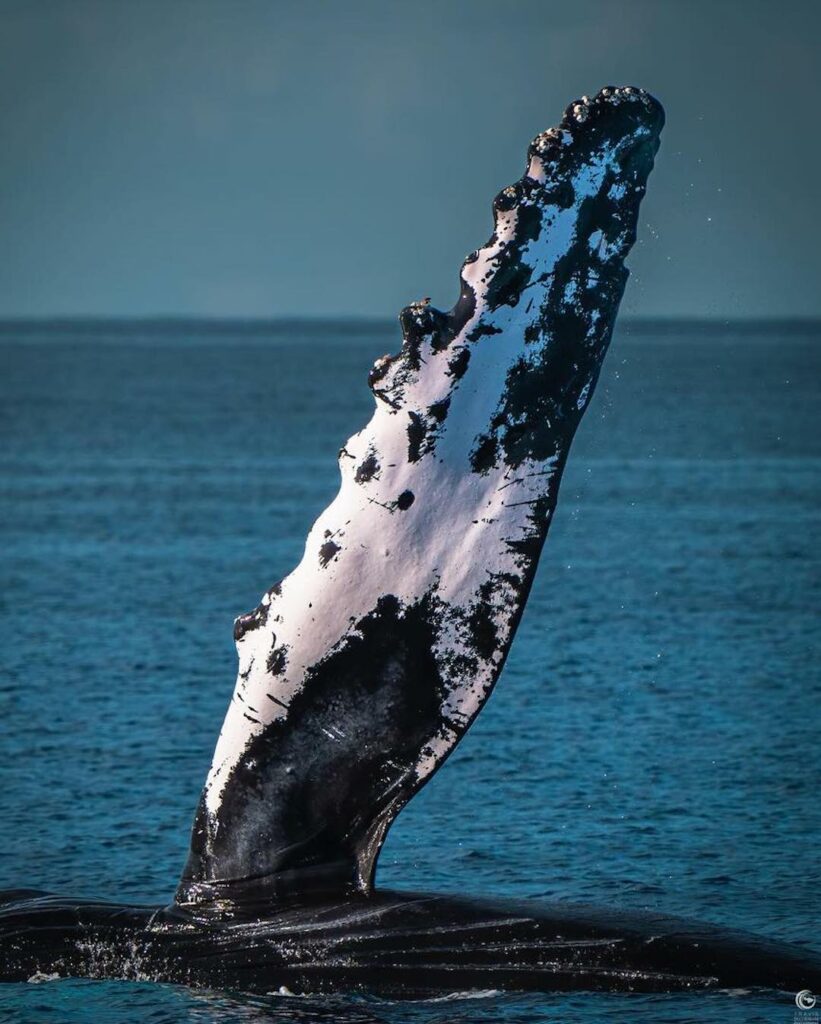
[{"x": 361, "y": 671}]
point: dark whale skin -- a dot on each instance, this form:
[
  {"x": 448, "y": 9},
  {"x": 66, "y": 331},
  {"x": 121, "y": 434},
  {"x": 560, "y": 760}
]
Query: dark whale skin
[{"x": 397, "y": 945}]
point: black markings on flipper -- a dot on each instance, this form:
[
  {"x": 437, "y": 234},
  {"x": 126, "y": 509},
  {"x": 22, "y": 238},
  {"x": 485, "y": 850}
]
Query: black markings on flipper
[
  {"x": 368, "y": 468},
  {"x": 328, "y": 551},
  {"x": 416, "y": 430},
  {"x": 277, "y": 660}
]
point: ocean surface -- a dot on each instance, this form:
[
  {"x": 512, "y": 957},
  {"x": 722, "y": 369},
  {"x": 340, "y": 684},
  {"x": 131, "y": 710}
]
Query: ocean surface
[{"x": 654, "y": 741}]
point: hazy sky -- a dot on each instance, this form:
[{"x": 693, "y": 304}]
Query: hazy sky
[{"x": 256, "y": 158}]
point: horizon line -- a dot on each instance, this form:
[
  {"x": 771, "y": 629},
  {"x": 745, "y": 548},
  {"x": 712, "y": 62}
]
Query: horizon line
[{"x": 125, "y": 323}]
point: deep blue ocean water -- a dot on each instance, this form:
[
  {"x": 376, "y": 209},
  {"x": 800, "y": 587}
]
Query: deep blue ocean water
[{"x": 654, "y": 741}]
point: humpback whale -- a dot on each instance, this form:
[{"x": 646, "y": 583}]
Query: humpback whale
[{"x": 361, "y": 670}]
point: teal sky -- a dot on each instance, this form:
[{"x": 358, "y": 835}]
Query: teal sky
[{"x": 267, "y": 158}]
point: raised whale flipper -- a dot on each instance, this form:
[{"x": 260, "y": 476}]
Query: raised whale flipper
[{"x": 360, "y": 671}]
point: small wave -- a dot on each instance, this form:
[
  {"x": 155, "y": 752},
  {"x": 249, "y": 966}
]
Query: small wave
[{"x": 453, "y": 997}]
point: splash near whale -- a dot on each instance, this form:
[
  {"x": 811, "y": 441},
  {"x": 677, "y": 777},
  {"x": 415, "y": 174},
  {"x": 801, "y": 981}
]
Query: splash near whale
[{"x": 361, "y": 670}]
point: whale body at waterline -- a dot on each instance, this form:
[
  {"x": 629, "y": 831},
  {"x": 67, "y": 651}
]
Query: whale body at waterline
[
  {"x": 392, "y": 944},
  {"x": 361, "y": 671}
]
